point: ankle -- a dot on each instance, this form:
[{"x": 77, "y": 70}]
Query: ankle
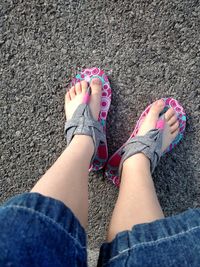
[
  {"x": 137, "y": 162},
  {"x": 84, "y": 143}
]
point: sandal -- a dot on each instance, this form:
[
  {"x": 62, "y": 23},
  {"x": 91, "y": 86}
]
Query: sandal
[
  {"x": 82, "y": 121},
  {"x": 149, "y": 144}
]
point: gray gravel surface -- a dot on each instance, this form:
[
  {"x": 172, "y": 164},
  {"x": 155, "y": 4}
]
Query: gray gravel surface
[{"x": 149, "y": 49}]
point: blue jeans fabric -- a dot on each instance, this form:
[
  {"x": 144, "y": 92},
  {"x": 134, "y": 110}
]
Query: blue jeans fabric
[
  {"x": 41, "y": 231},
  {"x": 169, "y": 242}
]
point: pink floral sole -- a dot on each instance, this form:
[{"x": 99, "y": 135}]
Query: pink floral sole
[
  {"x": 88, "y": 75},
  {"x": 113, "y": 163}
]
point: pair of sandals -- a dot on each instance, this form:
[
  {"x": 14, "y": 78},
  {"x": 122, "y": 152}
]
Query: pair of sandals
[{"x": 83, "y": 123}]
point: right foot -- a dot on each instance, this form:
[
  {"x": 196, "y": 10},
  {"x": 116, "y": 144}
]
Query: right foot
[
  {"x": 171, "y": 127},
  {"x": 170, "y": 131}
]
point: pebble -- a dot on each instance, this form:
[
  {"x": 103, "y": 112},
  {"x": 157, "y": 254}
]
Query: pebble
[
  {"x": 17, "y": 133},
  {"x": 47, "y": 48}
]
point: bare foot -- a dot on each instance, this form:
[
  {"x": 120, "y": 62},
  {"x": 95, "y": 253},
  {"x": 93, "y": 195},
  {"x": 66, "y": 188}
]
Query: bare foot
[
  {"x": 171, "y": 127},
  {"x": 170, "y": 131},
  {"x": 74, "y": 97}
]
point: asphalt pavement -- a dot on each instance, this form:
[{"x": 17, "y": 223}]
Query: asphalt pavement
[{"x": 149, "y": 49}]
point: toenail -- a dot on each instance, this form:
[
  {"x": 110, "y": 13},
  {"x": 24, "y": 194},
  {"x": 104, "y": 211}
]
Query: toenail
[
  {"x": 83, "y": 82},
  {"x": 160, "y": 103},
  {"x": 96, "y": 81}
]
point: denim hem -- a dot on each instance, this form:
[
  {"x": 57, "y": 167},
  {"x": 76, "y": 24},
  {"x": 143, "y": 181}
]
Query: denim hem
[
  {"x": 149, "y": 234},
  {"x": 52, "y": 209}
]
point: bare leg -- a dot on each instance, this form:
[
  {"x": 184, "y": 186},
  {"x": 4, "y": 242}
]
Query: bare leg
[
  {"x": 137, "y": 201},
  {"x": 67, "y": 179}
]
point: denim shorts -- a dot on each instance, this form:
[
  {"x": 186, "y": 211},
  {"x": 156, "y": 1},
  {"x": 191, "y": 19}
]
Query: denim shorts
[{"x": 41, "y": 231}]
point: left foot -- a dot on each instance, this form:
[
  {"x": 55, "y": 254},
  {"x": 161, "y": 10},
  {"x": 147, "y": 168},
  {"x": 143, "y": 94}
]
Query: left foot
[{"x": 74, "y": 97}]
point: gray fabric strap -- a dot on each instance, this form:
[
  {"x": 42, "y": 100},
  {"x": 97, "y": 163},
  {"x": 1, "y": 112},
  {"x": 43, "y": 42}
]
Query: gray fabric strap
[
  {"x": 150, "y": 145},
  {"x": 83, "y": 123}
]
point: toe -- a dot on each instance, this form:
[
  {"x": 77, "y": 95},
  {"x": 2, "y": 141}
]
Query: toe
[
  {"x": 169, "y": 113},
  {"x": 72, "y": 92},
  {"x": 156, "y": 109},
  {"x": 174, "y": 134},
  {"x": 172, "y": 120},
  {"x": 96, "y": 85},
  {"x": 84, "y": 86},
  {"x": 174, "y": 127},
  {"x": 78, "y": 88},
  {"x": 152, "y": 117},
  {"x": 67, "y": 97}
]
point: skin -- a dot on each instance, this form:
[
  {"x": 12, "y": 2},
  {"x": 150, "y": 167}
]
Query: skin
[
  {"x": 137, "y": 200},
  {"x": 64, "y": 181},
  {"x": 67, "y": 179}
]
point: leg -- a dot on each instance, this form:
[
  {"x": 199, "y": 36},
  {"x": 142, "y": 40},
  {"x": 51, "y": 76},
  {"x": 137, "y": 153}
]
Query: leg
[
  {"x": 137, "y": 201},
  {"x": 67, "y": 179}
]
